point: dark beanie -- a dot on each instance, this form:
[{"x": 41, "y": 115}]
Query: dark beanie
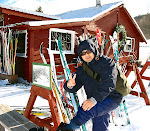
[{"x": 87, "y": 45}]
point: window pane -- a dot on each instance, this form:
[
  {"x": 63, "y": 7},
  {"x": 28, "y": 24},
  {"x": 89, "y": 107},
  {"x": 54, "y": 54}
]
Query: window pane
[
  {"x": 53, "y": 35},
  {"x": 54, "y": 45},
  {"x": 68, "y": 37},
  {"x": 68, "y": 47},
  {"x": 21, "y": 43}
]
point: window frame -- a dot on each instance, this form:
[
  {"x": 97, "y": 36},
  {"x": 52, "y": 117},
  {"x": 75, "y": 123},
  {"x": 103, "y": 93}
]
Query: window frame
[
  {"x": 63, "y": 31},
  {"x": 132, "y": 44},
  {"x": 25, "y": 44}
]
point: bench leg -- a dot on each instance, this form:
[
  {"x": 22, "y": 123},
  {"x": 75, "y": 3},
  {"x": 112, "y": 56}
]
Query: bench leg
[{"x": 30, "y": 104}]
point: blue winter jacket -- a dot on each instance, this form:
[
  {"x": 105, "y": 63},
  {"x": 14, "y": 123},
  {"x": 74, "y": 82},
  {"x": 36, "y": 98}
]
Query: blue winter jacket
[{"x": 105, "y": 66}]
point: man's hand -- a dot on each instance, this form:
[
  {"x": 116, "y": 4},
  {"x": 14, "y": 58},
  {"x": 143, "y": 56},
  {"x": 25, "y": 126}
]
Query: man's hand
[
  {"x": 71, "y": 82},
  {"x": 87, "y": 105}
]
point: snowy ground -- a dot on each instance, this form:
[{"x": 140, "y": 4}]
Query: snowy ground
[{"x": 139, "y": 114}]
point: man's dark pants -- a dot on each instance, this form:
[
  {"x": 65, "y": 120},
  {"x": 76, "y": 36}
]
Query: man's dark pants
[{"x": 99, "y": 114}]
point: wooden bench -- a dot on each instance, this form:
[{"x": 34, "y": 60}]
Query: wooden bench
[{"x": 13, "y": 121}]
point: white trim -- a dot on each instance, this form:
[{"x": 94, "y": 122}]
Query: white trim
[
  {"x": 49, "y": 22},
  {"x": 132, "y": 44},
  {"x": 13, "y": 25}
]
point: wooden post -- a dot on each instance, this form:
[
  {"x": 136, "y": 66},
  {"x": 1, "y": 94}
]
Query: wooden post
[
  {"x": 143, "y": 90},
  {"x": 144, "y": 69},
  {"x": 48, "y": 95},
  {"x": 139, "y": 75}
]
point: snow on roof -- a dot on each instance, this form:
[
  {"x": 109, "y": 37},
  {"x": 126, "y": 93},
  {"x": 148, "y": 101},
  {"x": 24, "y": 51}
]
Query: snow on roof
[
  {"x": 29, "y": 12},
  {"x": 90, "y": 12},
  {"x": 49, "y": 22},
  {"x": 86, "y": 14}
]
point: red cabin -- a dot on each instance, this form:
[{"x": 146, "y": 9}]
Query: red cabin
[{"x": 38, "y": 28}]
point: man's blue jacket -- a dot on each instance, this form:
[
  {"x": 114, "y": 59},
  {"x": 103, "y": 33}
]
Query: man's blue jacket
[{"x": 105, "y": 66}]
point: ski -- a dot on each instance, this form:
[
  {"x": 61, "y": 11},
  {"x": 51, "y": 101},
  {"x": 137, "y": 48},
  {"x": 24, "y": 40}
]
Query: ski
[
  {"x": 41, "y": 53},
  {"x": 125, "y": 108},
  {"x": 99, "y": 46},
  {"x": 101, "y": 41},
  {"x": 8, "y": 52},
  {"x": 114, "y": 41},
  {"x": 67, "y": 74},
  {"x": 15, "y": 51},
  {"x": 40, "y": 111},
  {"x": 64, "y": 115},
  {"x": 37, "y": 113},
  {"x": 4, "y": 51},
  {"x": 115, "y": 47}
]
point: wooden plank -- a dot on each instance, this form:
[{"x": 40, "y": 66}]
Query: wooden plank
[{"x": 13, "y": 121}]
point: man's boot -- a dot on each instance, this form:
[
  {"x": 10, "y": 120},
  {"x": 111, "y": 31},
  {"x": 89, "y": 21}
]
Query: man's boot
[{"x": 62, "y": 127}]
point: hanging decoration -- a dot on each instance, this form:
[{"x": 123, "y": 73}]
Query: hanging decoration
[{"x": 121, "y": 40}]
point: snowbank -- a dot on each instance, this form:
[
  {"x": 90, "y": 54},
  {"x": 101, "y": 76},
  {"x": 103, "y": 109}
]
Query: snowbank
[{"x": 144, "y": 52}]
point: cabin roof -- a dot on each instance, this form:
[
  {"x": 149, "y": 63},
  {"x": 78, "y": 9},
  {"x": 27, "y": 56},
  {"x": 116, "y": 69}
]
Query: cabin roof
[
  {"x": 86, "y": 14},
  {"x": 28, "y": 12},
  {"x": 90, "y": 12},
  {"x": 78, "y": 16}
]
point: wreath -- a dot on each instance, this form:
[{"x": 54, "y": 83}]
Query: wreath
[{"x": 121, "y": 29}]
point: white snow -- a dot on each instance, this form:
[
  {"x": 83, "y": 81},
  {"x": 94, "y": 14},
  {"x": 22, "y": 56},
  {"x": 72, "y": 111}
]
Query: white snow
[
  {"x": 139, "y": 114},
  {"x": 49, "y": 22},
  {"x": 144, "y": 51},
  {"x": 29, "y": 12},
  {"x": 90, "y": 12}
]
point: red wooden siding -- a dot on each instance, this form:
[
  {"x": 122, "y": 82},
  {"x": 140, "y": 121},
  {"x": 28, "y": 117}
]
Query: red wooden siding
[
  {"x": 11, "y": 19},
  {"x": 109, "y": 22},
  {"x": 38, "y": 34}
]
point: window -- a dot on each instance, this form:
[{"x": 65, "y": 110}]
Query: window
[
  {"x": 1, "y": 19},
  {"x": 130, "y": 43},
  {"x": 22, "y": 43},
  {"x": 67, "y": 39}
]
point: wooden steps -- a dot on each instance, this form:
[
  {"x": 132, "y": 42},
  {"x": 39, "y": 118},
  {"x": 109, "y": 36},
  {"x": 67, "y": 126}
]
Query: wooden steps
[{"x": 14, "y": 121}]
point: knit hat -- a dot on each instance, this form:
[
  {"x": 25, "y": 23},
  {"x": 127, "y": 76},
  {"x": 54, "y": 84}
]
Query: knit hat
[{"x": 87, "y": 45}]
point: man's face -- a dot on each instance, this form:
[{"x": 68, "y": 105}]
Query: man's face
[{"x": 87, "y": 55}]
